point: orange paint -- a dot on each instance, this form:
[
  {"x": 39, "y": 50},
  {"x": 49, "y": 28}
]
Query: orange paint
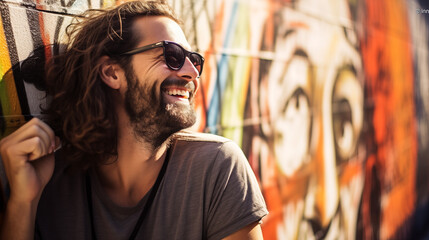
[
  {"x": 275, "y": 208},
  {"x": 320, "y": 175},
  {"x": 387, "y": 56},
  {"x": 350, "y": 171}
]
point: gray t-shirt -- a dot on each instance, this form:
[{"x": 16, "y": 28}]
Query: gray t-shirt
[{"x": 208, "y": 192}]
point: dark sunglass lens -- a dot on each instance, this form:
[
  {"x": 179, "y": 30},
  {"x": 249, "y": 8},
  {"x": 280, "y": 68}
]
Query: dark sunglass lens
[
  {"x": 196, "y": 60},
  {"x": 174, "y": 56}
]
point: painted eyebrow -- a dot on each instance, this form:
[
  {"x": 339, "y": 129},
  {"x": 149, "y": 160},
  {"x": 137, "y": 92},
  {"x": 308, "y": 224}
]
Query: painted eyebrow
[{"x": 289, "y": 32}]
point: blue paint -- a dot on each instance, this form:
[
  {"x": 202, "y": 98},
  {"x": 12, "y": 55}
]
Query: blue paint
[{"x": 221, "y": 78}]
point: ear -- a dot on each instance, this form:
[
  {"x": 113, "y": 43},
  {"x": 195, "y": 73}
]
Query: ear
[{"x": 110, "y": 72}]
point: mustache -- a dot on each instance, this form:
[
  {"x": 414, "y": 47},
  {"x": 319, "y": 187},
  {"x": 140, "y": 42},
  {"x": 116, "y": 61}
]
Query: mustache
[{"x": 188, "y": 85}]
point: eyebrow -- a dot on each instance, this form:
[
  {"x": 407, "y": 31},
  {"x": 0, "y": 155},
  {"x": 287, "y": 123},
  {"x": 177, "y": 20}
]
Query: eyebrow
[{"x": 289, "y": 32}]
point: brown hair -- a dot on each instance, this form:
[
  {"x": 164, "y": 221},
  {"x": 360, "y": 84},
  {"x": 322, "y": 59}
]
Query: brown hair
[{"x": 81, "y": 109}]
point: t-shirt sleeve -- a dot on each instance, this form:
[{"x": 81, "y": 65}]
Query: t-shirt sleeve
[{"x": 236, "y": 199}]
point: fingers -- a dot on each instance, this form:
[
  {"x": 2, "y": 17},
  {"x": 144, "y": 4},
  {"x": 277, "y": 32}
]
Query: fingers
[
  {"x": 34, "y": 148},
  {"x": 36, "y": 127},
  {"x": 34, "y": 139}
]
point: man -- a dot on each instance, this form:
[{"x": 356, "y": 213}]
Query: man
[{"x": 122, "y": 93}]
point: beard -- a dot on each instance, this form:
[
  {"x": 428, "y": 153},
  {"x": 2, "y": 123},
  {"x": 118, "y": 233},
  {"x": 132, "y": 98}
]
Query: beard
[{"x": 152, "y": 118}]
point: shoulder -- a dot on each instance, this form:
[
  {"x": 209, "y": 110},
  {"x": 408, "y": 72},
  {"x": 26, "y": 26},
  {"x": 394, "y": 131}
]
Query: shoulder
[
  {"x": 214, "y": 156},
  {"x": 64, "y": 168},
  {"x": 190, "y": 136},
  {"x": 205, "y": 140},
  {"x": 208, "y": 146},
  {"x": 224, "y": 175},
  {"x": 66, "y": 180}
]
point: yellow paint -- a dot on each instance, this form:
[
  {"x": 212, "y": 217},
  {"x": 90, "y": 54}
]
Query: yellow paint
[{"x": 11, "y": 109}]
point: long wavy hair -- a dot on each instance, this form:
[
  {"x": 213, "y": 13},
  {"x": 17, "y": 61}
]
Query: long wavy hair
[{"x": 81, "y": 109}]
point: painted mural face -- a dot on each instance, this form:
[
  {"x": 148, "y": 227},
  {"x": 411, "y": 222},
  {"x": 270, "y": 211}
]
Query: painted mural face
[
  {"x": 316, "y": 99},
  {"x": 292, "y": 119}
]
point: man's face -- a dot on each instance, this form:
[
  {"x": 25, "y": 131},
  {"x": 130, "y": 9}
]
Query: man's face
[{"x": 158, "y": 100}]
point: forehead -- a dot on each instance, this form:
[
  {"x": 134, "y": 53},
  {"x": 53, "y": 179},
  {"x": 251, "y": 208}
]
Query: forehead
[{"x": 153, "y": 29}]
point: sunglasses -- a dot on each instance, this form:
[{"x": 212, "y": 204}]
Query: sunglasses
[{"x": 174, "y": 55}]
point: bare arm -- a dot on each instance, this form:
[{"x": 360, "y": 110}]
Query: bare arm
[
  {"x": 250, "y": 232},
  {"x": 18, "y": 222},
  {"x": 28, "y": 159}
]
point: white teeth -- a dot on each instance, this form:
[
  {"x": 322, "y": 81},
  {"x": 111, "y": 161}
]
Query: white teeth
[{"x": 178, "y": 92}]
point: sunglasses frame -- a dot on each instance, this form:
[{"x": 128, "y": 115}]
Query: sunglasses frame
[{"x": 163, "y": 44}]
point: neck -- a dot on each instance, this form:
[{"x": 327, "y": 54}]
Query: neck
[{"x": 127, "y": 180}]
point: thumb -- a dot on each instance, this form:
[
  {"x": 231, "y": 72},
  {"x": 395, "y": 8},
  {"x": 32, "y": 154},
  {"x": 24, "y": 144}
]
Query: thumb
[{"x": 58, "y": 144}]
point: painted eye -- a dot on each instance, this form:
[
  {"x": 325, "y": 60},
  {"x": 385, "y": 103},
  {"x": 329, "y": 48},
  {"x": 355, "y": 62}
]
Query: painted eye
[
  {"x": 343, "y": 126},
  {"x": 347, "y": 113},
  {"x": 292, "y": 124}
]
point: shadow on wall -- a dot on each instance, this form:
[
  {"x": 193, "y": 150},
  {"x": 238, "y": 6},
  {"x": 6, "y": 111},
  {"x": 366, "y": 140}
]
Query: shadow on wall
[{"x": 30, "y": 71}]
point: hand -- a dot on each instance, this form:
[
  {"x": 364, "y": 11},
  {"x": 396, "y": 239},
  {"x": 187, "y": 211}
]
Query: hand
[{"x": 28, "y": 160}]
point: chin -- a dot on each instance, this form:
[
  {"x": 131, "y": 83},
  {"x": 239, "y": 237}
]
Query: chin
[
  {"x": 172, "y": 122},
  {"x": 180, "y": 116}
]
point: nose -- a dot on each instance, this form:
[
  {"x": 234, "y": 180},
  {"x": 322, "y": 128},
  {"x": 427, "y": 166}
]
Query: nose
[{"x": 189, "y": 72}]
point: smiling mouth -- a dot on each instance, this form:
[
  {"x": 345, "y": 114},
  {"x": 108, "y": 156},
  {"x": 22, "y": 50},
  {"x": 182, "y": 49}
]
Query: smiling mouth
[
  {"x": 180, "y": 93},
  {"x": 178, "y": 89}
]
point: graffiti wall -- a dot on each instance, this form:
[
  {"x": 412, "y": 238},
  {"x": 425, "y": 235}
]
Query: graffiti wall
[{"x": 329, "y": 100}]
